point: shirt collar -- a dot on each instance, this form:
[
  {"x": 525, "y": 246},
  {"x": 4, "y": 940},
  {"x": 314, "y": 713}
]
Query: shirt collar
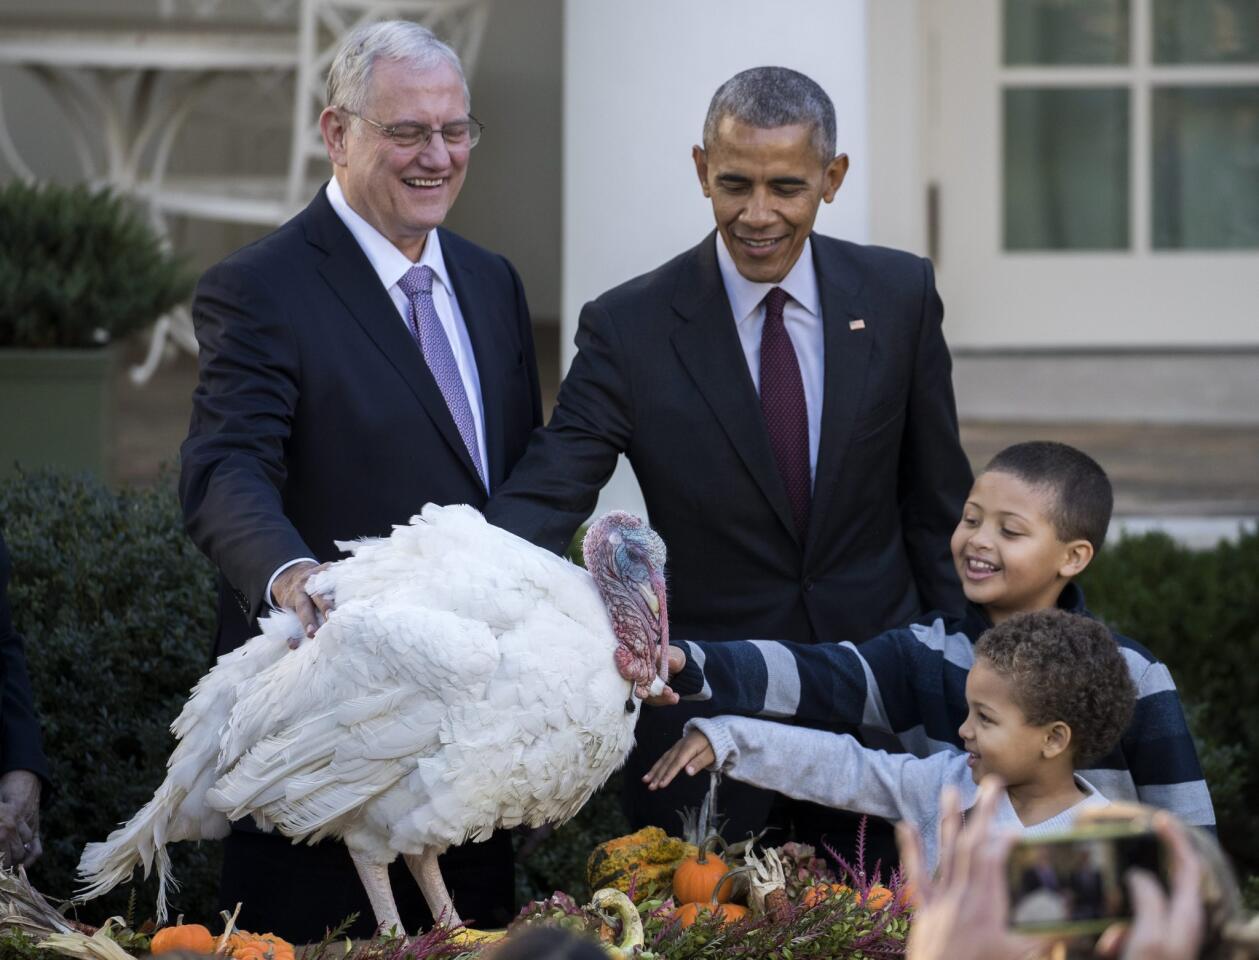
[
  {"x": 388, "y": 261},
  {"x": 746, "y": 295}
]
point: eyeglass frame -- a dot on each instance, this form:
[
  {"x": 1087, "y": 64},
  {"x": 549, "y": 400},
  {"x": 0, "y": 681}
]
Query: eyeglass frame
[{"x": 389, "y": 130}]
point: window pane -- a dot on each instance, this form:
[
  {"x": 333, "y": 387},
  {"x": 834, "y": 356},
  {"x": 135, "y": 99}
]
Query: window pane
[
  {"x": 1206, "y": 168},
  {"x": 1206, "y": 31},
  {"x": 1066, "y": 168},
  {"x": 1066, "y": 31}
]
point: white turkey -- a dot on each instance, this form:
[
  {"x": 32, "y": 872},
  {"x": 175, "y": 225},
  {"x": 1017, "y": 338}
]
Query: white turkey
[{"x": 465, "y": 680}]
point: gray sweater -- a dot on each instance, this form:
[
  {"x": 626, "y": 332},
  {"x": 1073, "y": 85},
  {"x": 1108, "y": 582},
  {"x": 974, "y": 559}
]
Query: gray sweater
[{"x": 835, "y": 770}]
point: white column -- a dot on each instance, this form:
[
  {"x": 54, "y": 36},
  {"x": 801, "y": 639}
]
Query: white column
[{"x": 637, "y": 81}]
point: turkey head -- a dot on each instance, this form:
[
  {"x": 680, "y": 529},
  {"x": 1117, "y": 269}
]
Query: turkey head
[{"x": 626, "y": 559}]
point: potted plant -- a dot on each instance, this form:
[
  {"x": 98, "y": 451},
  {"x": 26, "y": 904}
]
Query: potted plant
[{"x": 79, "y": 270}]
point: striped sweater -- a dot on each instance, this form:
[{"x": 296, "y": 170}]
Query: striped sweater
[{"x": 905, "y": 691}]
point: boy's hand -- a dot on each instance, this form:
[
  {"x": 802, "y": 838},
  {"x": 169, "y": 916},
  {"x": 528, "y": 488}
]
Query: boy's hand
[
  {"x": 667, "y": 698},
  {"x": 692, "y": 753}
]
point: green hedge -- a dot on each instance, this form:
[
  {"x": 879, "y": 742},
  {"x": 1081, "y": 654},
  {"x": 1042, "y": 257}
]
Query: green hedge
[
  {"x": 118, "y": 609},
  {"x": 1198, "y": 611}
]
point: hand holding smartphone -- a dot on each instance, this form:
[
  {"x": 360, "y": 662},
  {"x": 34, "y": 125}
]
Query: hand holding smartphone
[{"x": 1074, "y": 883}]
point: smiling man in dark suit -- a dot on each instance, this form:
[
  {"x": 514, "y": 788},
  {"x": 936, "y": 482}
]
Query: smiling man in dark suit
[
  {"x": 355, "y": 364},
  {"x": 785, "y": 401}
]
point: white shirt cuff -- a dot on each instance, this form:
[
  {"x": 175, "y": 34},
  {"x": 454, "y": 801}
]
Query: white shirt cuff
[{"x": 279, "y": 570}]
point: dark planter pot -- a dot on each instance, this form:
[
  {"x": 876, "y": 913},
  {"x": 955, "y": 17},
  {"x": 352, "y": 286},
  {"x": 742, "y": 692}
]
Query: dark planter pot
[{"x": 55, "y": 409}]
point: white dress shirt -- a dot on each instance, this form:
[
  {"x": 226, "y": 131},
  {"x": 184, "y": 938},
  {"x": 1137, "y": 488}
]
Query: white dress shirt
[
  {"x": 390, "y": 265},
  {"x": 802, "y": 318}
]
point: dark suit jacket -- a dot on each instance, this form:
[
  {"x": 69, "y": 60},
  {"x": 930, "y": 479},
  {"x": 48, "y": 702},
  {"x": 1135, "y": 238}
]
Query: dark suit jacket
[
  {"x": 316, "y": 419},
  {"x": 660, "y": 375},
  {"x": 21, "y": 744}
]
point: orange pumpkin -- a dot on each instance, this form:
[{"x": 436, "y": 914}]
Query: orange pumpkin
[
  {"x": 688, "y": 913},
  {"x": 698, "y": 879},
  {"x": 243, "y": 945},
  {"x": 822, "y": 891},
  {"x": 191, "y": 937},
  {"x": 877, "y": 897},
  {"x": 907, "y": 896}
]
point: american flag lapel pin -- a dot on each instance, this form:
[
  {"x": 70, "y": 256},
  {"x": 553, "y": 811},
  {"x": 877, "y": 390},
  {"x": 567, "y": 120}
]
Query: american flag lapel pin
[{"x": 856, "y": 324}]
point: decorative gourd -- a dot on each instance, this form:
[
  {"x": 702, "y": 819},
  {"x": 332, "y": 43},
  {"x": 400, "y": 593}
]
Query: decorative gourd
[
  {"x": 822, "y": 891},
  {"x": 699, "y": 879},
  {"x": 877, "y": 897},
  {"x": 614, "y": 905},
  {"x": 646, "y": 858},
  {"x": 907, "y": 896},
  {"x": 189, "y": 937}
]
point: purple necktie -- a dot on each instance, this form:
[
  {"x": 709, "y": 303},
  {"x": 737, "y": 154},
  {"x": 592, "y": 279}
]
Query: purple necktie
[
  {"x": 786, "y": 415},
  {"x": 426, "y": 327}
]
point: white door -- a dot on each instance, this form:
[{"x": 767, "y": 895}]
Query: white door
[{"x": 1095, "y": 171}]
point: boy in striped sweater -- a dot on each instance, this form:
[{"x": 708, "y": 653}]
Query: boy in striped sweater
[{"x": 1032, "y": 523}]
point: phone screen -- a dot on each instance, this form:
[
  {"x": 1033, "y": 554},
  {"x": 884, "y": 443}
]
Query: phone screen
[{"x": 1074, "y": 882}]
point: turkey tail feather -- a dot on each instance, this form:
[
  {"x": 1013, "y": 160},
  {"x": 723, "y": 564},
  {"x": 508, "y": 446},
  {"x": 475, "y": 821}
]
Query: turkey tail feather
[{"x": 178, "y": 810}]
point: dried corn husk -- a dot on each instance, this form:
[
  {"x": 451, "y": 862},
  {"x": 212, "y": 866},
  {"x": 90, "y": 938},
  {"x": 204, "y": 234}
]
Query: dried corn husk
[
  {"x": 99, "y": 946},
  {"x": 26, "y": 909}
]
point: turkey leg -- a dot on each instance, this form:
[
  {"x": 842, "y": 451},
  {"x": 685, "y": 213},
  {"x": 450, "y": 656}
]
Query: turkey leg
[
  {"x": 375, "y": 879},
  {"x": 428, "y": 875}
]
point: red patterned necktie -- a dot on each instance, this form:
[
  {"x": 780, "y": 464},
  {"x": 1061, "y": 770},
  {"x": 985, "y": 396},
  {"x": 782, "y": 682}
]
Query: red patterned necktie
[{"x": 786, "y": 414}]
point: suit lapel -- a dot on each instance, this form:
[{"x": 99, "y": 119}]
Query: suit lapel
[
  {"x": 350, "y": 275},
  {"x": 847, "y": 353},
  {"x": 481, "y": 315},
  {"x": 708, "y": 346}
]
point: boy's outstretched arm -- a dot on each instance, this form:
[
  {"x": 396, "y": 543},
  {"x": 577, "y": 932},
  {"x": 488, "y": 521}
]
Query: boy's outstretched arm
[
  {"x": 825, "y": 683},
  {"x": 815, "y": 765}
]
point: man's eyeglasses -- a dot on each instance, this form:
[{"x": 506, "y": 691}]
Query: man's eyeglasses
[{"x": 458, "y": 134}]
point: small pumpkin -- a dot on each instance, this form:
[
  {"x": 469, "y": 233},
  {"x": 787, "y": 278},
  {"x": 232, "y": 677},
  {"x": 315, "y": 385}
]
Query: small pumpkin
[
  {"x": 907, "y": 896},
  {"x": 243, "y": 945},
  {"x": 703, "y": 877},
  {"x": 820, "y": 892},
  {"x": 688, "y": 913},
  {"x": 189, "y": 937},
  {"x": 877, "y": 897}
]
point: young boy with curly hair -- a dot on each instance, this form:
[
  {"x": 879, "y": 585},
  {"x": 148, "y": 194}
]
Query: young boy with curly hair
[
  {"x": 1032, "y": 523},
  {"x": 1049, "y": 691}
]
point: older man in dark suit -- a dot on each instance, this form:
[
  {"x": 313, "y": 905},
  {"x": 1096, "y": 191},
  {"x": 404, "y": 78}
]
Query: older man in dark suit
[
  {"x": 785, "y": 401},
  {"x": 356, "y": 364}
]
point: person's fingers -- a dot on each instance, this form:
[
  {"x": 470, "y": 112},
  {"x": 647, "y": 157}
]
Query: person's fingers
[
  {"x": 1185, "y": 912},
  {"x": 34, "y": 851},
  {"x": 1111, "y": 941},
  {"x": 308, "y": 614},
  {"x": 1149, "y": 915},
  {"x": 677, "y": 660},
  {"x": 913, "y": 861},
  {"x": 665, "y": 698},
  {"x": 666, "y": 766},
  {"x": 24, "y": 832},
  {"x": 950, "y": 827}
]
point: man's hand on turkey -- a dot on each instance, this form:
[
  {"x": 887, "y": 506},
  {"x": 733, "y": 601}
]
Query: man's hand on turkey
[{"x": 289, "y": 592}]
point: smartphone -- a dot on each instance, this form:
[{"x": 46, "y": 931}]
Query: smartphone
[{"x": 1073, "y": 883}]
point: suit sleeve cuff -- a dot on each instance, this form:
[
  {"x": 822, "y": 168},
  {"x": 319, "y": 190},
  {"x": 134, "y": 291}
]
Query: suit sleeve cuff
[{"x": 269, "y": 599}]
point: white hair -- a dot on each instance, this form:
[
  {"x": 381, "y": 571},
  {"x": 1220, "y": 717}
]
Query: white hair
[{"x": 350, "y": 76}]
